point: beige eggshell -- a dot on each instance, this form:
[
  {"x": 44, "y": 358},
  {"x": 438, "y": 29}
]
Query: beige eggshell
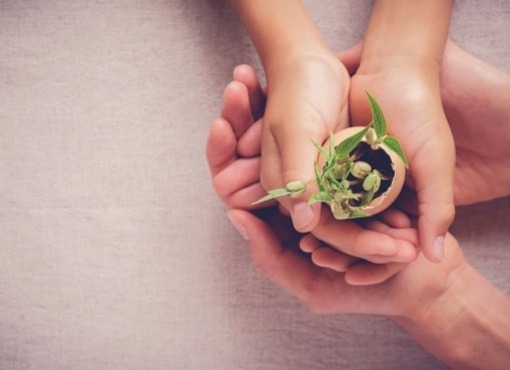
[{"x": 383, "y": 201}]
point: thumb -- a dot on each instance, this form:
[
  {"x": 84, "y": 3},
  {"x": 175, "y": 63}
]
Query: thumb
[
  {"x": 292, "y": 148},
  {"x": 281, "y": 265},
  {"x": 435, "y": 200}
]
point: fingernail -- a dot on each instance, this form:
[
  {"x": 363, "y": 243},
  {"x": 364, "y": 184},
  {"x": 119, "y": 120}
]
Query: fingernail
[
  {"x": 302, "y": 215},
  {"x": 238, "y": 225},
  {"x": 438, "y": 247}
]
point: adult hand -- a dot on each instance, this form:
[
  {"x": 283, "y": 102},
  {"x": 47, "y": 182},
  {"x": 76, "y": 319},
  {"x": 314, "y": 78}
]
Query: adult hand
[
  {"x": 475, "y": 97},
  {"x": 408, "y": 293},
  {"x": 449, "y": 308},
  {"x": 233, "y": 144}
]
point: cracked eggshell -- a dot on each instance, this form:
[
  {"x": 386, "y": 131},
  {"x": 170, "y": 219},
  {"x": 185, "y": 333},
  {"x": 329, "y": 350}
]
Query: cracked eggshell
[{"x": 384, "y": 200}]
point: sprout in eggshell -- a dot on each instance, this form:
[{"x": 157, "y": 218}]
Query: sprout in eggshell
[{"x": 359, "y": 173}]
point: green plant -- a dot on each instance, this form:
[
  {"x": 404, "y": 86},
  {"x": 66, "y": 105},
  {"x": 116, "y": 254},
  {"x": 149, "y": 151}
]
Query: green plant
[{"x": 353, "y": 172}]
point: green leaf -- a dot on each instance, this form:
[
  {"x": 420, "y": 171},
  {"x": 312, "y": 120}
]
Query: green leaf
[
  {"x": 274, "y": 193},
  {"x": 320, "y": 149},
  {"x": 368, "y": 197},
  {"x": 332, "y": 181},
  {"x": 377, "y": 116},
  {"x": 321, "y": 196},
  {"x": 331, "y": 143},
  {"x": 392, "y": 143},
  {"x": 318, "y": 177},
  {"x": 328, "y": 166},
  {"x": 346, "y": 146}
]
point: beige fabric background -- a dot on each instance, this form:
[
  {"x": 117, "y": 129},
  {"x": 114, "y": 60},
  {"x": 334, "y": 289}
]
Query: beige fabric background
[{"x": 114, "y": 251}]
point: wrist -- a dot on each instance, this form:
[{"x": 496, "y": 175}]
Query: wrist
[
  {"x": 408, "y": 30},
  {"x": 278, "y": 28},
  {"x": 466, "y": 323},
  {"x": 434, "y": 322},
  {"x": 298, "y": 61},
  {"x": 401, "y": 66},
  {"x": 439, "y": 299},
  {"x": 439, "y": 290}
]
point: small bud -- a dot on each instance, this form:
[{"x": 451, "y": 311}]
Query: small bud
[
  {"x": 338, "y": 171},
  {"x": 338, "y": 211},
  {"x": 383, "y": 177},
  {"x": 372, "y": 181},
  {"x": 361, "y": 169},
  {"x": 371, "y": 137},
  {"x": 296, "y": 187}
]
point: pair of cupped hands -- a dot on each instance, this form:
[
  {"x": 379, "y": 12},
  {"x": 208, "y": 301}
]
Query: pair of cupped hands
[{"x": 453, "y": 126}]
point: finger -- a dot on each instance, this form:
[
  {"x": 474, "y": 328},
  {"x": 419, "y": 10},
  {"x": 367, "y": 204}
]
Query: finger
[
  {"x": 247, "y": 75},
  {"x": 270, "y": 169},
  {"x": 351, "y": 57},
  {"x": 309, "y": 243},
  {"x": 349, "y": 237},
  {"x": 394, "y": 217},
  {"x": 326, "y": 257},
  {"x": 238, "y": 175},
  {"x": 406, "y": 241},
  {"x": 297, "y": 157},
  {"x": 435, "y": 196},
  {"x": 236, "y": 107},
  {"x": 249, "y": 144},
  {"x": 408, "y": 234},
  {"x": 245, "y": 197},
  {"x": 281, "y": 265},
  {"x": 366, "y": 273},
  {"x": 220, "y": 146}
]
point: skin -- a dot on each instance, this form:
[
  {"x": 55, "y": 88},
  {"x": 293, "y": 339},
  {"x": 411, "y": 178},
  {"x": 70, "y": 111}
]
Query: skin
[
  {"x": 443, "y": 306},
  {"x": 475, "y": 95},
  {"x": 307, "y": 95},
  {"x": 233, "y": 155},
  {"x": 307, "y": 98},
  {"x": 480, "y": 173},
  {"x": 399, "y": 64},
  {"x": 473, "y": 92}
]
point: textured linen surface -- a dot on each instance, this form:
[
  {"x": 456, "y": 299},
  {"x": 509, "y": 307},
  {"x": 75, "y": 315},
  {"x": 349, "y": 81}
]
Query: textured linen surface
[{"x": 114, "y": 251}]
